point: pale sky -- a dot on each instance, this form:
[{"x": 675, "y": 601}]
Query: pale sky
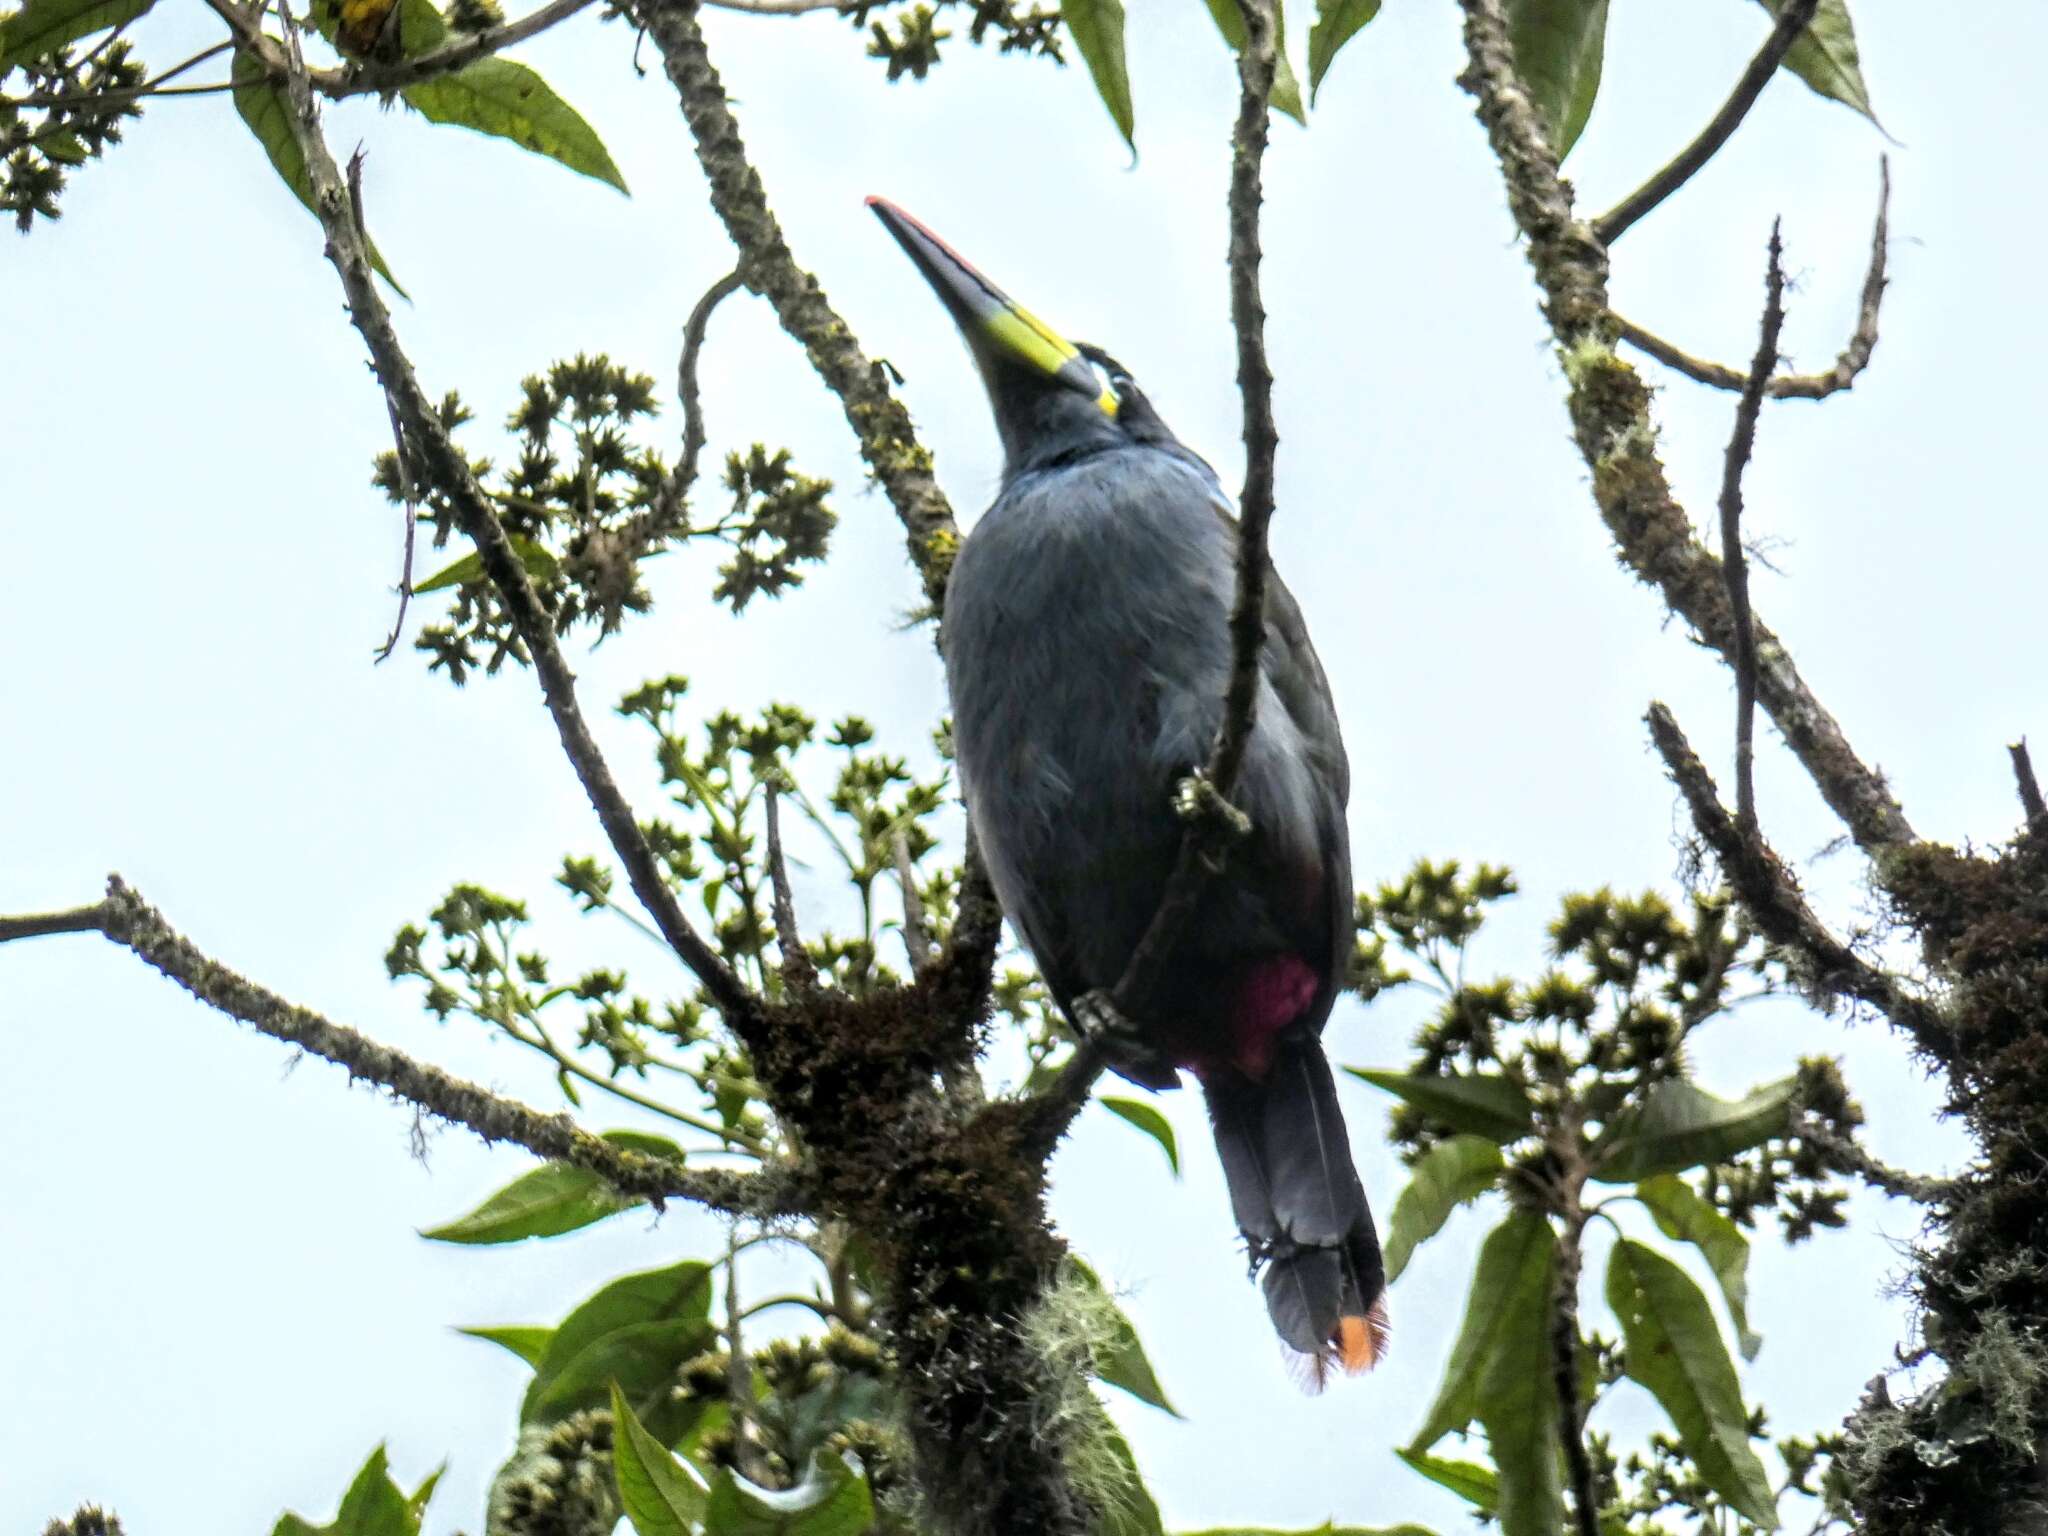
[{"x": 215, "y": 1302}]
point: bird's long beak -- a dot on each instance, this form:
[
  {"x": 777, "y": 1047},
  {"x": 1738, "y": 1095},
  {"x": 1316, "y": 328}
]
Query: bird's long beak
[{"x": 997, "y": 328}]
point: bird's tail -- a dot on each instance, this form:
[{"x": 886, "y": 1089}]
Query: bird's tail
[{"x": 1301, "y": 1207}]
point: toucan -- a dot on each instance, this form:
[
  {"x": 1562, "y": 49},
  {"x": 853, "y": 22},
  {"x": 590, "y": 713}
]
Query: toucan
[{"x": 1086, "y": 646}]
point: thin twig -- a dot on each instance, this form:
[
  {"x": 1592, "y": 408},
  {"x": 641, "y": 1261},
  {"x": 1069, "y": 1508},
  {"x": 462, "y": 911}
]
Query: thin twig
[
  {"x": 1792, "y": 21},
  {"x": 917, "y": 942},
  {"x": 1849, "y": 364},
  {"x": 888, "y": 438},
  {"x": 407, "y": 492},
  {"x": 1734, "y": 563},
  {"x": 356, "y": 79},
  {"x": 128, "y": 920},
  {"x": 798, "y": 973},
  {"x": 1773, "y": 899},
  {"x": 36, "y": 925},
  {"x": 816, "y": 1304},
  {"x": 442, "y": 465},
  {"x": 685, "y": 476},
  {"x": 1616, "y": 435},
  {"x": 124, "y": 93}
]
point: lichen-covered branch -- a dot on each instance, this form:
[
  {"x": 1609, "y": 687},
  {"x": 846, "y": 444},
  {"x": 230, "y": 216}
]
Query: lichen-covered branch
[
  {"x": 1828, "y": 968},
  {"x": 1854, "y": 358},
  {"x": 131, "y": 922},
  {"x": 440, "y": 462},
  {"x": 1610, "y": 412},
  {"x": 901, "y": 464},
  {"x": 1686, "y": 164}
]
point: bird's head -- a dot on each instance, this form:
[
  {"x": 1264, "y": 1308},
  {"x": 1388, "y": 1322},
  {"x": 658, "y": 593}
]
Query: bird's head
[{"x": 1052, "y": 398}]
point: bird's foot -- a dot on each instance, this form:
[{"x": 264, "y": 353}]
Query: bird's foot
[{"x": 1121, "y": 1042}]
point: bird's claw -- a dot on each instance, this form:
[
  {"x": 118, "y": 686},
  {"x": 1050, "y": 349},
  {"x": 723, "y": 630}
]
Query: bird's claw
[{"x": 1122, "y": 1042}]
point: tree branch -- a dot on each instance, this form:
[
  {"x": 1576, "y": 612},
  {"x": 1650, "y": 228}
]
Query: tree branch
[
  {"x": 1792, "y": 21},
  {"x": 1564, "y": 1374},
  {"x": 439, "y": 462},
  {"x": 685, "y": 475},
  {"x": 1610, "y": 410},
  {"x": 1849, "y": 364},
  {"x": 1773, "y": 899},
  {"x": 128, "y": 920},
  {"x": 2029, "y": 786},
  {"x": 1734, "y": 562},
  {"x": 888, "y": 439},
  {"x": 797, "y": 970},
  {"x": 38, "y": 925},
  {"x": 917, "y": 943},
  {"x": 357, "y": 79},
  {"x": 1851, "y": 1156}
]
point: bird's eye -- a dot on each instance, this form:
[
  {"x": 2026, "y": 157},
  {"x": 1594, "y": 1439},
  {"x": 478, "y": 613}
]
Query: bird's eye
[{"x": 1108, "y": 378}]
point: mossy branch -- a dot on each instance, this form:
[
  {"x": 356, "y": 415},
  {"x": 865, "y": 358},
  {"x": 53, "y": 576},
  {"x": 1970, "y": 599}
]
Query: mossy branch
[
  {"x": 441, "y": 463},
  {"x": 128, "y": 920},
  {"x": 1610, "y": 412},
  {"x": 1827, "y": 967},
  {"x": 881, "y": 424}
]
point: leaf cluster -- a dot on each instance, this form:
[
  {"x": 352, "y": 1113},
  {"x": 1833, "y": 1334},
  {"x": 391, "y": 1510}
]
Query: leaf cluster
[
  {"x": 587, "y": 504},
  {"x": 906, "y": 39},
  {"x": 60, "y": 107},
  {"x": 1547, "y": 1092}
]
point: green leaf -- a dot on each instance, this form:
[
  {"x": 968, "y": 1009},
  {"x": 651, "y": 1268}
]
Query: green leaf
[
  {"x": 1825, "y": 56},
  {"x": 1476, "y": 1485},
  {"x": 1321, "y": 1530},
  {"x": 1121, "y": 1360},
  {"x": 1337, "y": 22},
  {"x": 1675, "y": 1126},
  {"x": 1097, "y": 27},
  {"x": 1449, "y": 1174},
  {"x": 1286, "y": 97},
  {"x": 510, "y": 101},
  {"x": 44, "y": 26},
  {"x": 1674, "y": 1349},
  {"x": 1681, "y": 1213},
  {"x": 1517, "y": 1398},
  {"x": 1559, "y": 46},
  {"x": 538, "y": 559},
  {"x": 1485, "y": 1104},
  {"x": 529, "y": 1343},
  {"x": 1512, "y": 1278},
  {"x": 373, "y": 1506},
  {"x": 635, "y": 1332},
  {"x": 640, "y": 1360},
  {"x": 661, "y": 1493},
  {"x": 1147, "y": 1118},
  {"x": 551, "y": 1199},
  {"x": 264, "y": 108},
  {"x": 830, "y": 1501},
  {"x": 1128, "y": 1506}
]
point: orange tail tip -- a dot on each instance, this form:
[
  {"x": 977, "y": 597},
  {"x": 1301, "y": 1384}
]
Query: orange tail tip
[{"x": 1361, "y": 1342}]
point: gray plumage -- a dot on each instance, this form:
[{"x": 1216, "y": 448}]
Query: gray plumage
[{"x": 1087, "y": 652}]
